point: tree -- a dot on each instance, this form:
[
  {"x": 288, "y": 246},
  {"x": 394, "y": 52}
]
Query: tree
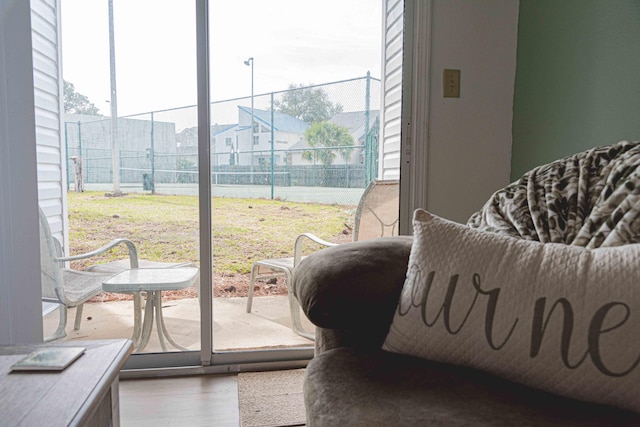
[
  {"x": 327, "y": 138},
  {"x": 76, "y": 103},
  {"x": 307, "y": 104},
  {"x": 183, "y": 164}
]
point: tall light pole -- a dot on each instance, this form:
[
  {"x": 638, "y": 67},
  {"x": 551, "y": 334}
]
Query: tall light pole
[
  {"x": 247, "y": 63},
  {"x": 114, "y": 106}
]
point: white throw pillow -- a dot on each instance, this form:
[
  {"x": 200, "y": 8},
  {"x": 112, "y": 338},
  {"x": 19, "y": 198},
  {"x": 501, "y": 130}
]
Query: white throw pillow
[{"x": 559, "y": 318}]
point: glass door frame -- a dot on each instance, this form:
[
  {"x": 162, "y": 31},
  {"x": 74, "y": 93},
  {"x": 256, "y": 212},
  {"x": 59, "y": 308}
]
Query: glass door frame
[
  {"x": 205, "y": 360},
  {"x": 416, "y": 60},
  {"x": 415, "y": 110},
  {"x": 225, "y": 361}
]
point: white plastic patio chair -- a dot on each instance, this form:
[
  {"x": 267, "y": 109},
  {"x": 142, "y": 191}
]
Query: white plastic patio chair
[
  {"x": 67, "y": 287},
  {"x": 72, "y": 288},
  {"x": 376, "y": 216}
]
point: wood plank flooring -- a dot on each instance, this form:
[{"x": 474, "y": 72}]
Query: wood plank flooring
[{"x": 205, "y": 400}]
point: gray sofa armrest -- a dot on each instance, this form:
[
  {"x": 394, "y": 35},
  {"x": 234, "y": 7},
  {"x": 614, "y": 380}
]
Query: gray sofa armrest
[{"x": 351, "y": 291}]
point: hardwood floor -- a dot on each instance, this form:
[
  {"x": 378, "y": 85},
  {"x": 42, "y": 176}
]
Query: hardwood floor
[{"x": 206, "y": 400}]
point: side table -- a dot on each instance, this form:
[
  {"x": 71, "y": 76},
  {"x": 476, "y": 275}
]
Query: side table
[
  {"x": 152, "y": 281},
  {"x": 84, "y": 394}
]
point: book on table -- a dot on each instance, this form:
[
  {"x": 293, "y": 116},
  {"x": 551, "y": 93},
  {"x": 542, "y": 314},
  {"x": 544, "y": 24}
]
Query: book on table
[{"x": 49, "y": 359}]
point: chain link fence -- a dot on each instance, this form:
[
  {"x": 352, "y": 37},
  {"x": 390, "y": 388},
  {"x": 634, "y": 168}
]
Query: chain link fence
[{"x": 292, "y": 144}]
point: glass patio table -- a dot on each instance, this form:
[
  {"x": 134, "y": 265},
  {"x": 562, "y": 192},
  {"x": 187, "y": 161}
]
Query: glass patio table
[{"x": 152, "y": 281}]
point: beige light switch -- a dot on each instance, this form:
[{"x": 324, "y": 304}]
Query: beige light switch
[{"x": 451, "y": 84}]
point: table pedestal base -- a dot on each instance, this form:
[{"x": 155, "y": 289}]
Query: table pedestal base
[
  {"x": 153, "y": 307},
  {"x": 152, "y": 281}
]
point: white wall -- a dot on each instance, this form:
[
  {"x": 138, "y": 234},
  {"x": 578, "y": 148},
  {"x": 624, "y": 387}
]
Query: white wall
[
  {"x": 391, "y": 89},
  {"x": 20, "y": 306},
  {"x": 469, "y": 153},
  {"x": 468, "y": 139},
  {"x": 47, "y": 72}
]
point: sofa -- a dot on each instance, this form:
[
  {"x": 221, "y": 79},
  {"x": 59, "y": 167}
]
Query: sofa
[{"x": 578, "y": 222}]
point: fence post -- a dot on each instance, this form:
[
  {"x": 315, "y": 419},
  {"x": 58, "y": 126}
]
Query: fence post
[
  {"x": 115, "y": 151},
  {"x": 367, "y": 104},
  {"x": 367, "y": 112},
  {"x": 346, "y": 164},
  {"x": 152, "y": 158},
  {"x": 272, "y": 153},
  {"x": 315, "y": 171},
  {"x": 80, "y": 149}
]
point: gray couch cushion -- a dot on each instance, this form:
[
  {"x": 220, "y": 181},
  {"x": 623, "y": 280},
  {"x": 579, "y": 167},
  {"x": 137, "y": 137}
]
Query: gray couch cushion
[
  {"x": 353, "y": 285},
  {"x": 346, "y": 386}
]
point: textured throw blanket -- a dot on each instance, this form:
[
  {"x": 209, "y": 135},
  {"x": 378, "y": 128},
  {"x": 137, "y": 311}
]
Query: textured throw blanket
[{"x": 590, "y": 199}]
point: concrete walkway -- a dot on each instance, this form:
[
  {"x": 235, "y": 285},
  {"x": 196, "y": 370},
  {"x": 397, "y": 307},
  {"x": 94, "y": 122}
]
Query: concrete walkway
[{"x": 268, "y": 326}]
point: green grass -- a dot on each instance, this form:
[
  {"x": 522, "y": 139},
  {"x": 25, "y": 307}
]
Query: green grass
[{"x": 166, "y": 228}]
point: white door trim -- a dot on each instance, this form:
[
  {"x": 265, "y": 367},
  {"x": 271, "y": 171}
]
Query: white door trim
[{"x": 415, "y": 110}]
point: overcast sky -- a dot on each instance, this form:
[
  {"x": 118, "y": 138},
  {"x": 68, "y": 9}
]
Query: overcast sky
[{"x": 291, "y": 41}]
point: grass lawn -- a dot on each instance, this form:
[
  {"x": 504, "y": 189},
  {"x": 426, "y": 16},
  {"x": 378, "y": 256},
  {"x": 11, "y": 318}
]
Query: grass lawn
[{"x": 166, "y": 228}]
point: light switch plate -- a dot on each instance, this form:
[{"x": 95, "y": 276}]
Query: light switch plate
[{"x": 451, "y": 84}]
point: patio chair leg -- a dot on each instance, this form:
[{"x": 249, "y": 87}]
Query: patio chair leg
[
  {"x": 76, "y": 324},
  {"x": 62, "y": 326},
  {"x": 252, "y": 282},
  {"x": 294, "y": 309}
]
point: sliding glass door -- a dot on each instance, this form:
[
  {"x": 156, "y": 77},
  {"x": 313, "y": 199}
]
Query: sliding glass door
[
  {"x": 198, "y": 132},
  {"x": 295, "y": 106},
  {"x": 129, "y": 170}
]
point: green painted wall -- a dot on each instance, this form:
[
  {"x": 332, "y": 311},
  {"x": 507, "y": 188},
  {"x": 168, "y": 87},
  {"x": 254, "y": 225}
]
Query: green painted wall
[{"x": 577, "y": 78}]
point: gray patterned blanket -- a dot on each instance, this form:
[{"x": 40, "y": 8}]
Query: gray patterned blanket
[{"x": 589, "y": 199}]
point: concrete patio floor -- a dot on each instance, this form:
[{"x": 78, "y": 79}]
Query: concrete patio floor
[{"x": 267, "y": 326}]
